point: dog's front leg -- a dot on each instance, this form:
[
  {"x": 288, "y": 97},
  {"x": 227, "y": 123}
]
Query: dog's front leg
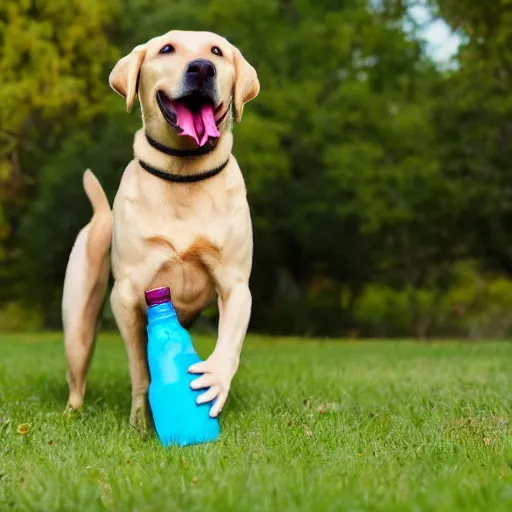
[{"x": 220, "y": 368}]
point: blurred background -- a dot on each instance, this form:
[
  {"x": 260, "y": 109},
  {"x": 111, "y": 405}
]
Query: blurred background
[{"x": 377, "y": 156}]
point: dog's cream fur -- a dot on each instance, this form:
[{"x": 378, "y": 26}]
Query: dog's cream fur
[{"x": 195, "y": 238}]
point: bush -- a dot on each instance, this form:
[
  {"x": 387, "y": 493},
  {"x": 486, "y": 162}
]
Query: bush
[
  {"x": 482, "y": 303},
  {"x": 475, "y": 305},
  {"x": 15, "y": 317}
]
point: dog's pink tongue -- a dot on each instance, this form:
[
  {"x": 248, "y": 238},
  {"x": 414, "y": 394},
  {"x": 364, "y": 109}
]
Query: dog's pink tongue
[{"x": 198, "y": 125}]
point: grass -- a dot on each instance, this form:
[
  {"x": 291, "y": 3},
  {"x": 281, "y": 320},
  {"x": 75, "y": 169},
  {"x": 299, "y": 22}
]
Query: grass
[{"x": 309, "y": 426}]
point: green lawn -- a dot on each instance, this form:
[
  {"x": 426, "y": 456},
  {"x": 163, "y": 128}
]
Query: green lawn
[{"x": 310, "y": 426}]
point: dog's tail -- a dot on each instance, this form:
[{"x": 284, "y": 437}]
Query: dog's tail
[{"x": 95, "y": 193}]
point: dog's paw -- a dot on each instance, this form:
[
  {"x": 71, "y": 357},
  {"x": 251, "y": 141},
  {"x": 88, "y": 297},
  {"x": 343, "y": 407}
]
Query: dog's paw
[
  {"x": 217, "y": 375},
  {"x": 140, "y": 416}
]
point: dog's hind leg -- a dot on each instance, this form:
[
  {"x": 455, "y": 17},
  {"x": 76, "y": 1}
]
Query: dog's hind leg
[{"x": 85, "y": 284}]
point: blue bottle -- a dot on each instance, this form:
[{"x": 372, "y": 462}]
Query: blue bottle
[{"x": 177, "y": 417}]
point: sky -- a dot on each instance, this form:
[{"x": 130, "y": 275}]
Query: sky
[{"x": 442, "y": 43}]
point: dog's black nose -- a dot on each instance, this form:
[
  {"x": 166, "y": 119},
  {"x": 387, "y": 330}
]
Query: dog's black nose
[{"x": 201, "y": 69}]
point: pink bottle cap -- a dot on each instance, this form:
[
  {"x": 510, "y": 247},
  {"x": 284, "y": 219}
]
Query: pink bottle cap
[{"x": 157, "y": 296}]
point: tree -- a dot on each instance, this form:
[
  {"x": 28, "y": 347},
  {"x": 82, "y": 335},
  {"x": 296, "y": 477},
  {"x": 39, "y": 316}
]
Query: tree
[
  {"x": 474, "y": 127},
  {"x": 363, "y": 160},
  {"x": 52, "y": 64}
]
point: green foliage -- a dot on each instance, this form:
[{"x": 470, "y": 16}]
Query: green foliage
[
  {"x": 474, "y": 137},
  {"x": 482, "y": 303},
  {"x": 475, "y": 305},
  {"x": 382, "y": 308},
  {"x": 16, "y": 317},
  {"x": 53, "y": 59},
  {"x": 368, "y": 168}
]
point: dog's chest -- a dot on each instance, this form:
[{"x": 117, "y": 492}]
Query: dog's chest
[
  {"x": 172, "y": 243},
  {"x": 181, "y": 225}
]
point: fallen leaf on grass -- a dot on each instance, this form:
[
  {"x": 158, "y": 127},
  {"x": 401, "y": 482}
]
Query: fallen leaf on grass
[
  {"x": 105, "y": 493},
  {"x": 307, "y": 431},
  {"x": 505, "y": 472},
  {"x": 328, "y": 407},
  {"x": 50, "y": 443},
  {"x": 22, "y": 429}
]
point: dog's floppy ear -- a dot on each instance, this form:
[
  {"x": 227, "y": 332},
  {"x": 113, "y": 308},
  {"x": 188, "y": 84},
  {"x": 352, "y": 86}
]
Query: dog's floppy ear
[
  {"x": 124, "y": 77},
  {"x": 246, "y": 85}
]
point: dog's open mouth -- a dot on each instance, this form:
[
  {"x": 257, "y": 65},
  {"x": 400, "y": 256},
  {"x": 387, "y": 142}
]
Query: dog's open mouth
[{"x": 192, "y": 116}]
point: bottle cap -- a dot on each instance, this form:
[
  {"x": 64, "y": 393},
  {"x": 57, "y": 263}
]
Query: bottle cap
[{"x": 157, "y": 296}]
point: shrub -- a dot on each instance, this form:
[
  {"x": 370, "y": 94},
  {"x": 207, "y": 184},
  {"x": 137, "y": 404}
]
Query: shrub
[
  {"x": 15, "y": 317},
  {"x": 475, "y": 305}
]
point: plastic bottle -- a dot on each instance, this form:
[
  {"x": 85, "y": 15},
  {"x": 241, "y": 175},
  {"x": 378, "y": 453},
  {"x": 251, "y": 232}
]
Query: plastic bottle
[{"x": 177, "y": 417}]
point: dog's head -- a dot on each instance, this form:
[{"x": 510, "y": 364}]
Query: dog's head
[{"x": 187, "y": 82}]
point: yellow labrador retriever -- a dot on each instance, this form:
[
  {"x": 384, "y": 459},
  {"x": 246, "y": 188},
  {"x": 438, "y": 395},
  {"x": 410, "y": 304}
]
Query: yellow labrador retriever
[{"x": 180, "y": 217}]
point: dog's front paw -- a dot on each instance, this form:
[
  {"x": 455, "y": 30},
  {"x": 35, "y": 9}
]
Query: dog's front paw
[{"x": 217, "y": 374}]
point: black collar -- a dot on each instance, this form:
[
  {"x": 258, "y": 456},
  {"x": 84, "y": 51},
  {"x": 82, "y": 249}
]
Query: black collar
[
  {"x": 183, "y": 178},
  {"x": 204, "y": 150}
]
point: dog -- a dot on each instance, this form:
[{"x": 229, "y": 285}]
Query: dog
[{"x": 180, "y": 217}]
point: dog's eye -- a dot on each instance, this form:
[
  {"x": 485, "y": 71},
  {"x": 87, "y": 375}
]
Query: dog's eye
[
  {"x": 168, "y": 48},
  {"x": 216, "y": 51}
]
